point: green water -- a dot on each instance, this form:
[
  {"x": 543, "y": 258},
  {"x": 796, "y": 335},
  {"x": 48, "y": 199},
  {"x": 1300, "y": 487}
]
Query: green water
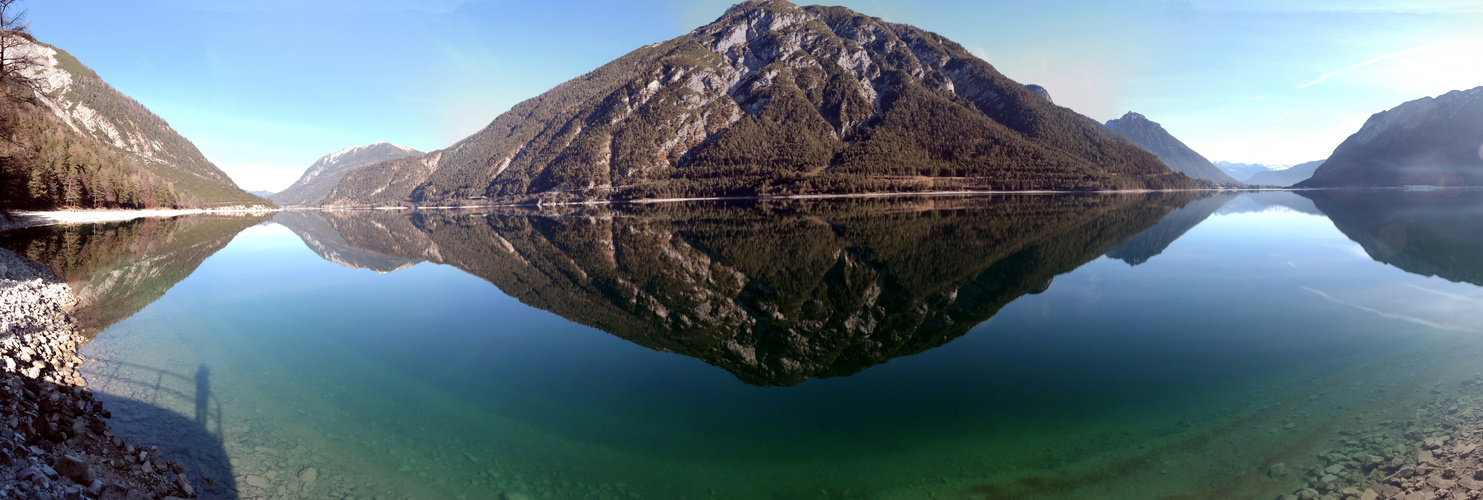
[{"x": 1130, "y": 346}]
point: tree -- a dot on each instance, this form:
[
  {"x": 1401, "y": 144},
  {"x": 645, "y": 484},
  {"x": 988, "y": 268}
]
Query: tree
[
  {"x": 19, "y": 57},
  {"x": 19, "y": 82}
]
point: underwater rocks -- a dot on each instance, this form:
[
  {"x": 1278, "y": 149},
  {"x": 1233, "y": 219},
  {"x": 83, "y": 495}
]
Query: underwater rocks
[
  {"x": 54, "y": 441},
  {"x": 1432, "y": 456}
]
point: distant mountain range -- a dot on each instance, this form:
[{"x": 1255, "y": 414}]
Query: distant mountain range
[
  {"x": 1243, "y": 171},
  {"x": 1151, "y": 136},
  {"x": 262, "y": 193},
  {"x": 325, "y": 174},
  {"x": 1425, "y": 142},
  {"x": 773, "y": 98},
  {"x": 85, "y": 145},
  {"x": 1285, "y": 177}
]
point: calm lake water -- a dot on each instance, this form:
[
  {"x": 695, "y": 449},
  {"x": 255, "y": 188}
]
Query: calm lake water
[{"x": 1102, "y": 346}]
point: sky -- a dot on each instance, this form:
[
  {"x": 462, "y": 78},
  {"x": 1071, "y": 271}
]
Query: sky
[{"x": 264, "y": 88}]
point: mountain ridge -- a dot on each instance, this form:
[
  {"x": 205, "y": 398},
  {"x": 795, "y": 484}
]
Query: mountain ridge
[
  {"x": 81, "y": 143},
  {"x": 320, "y": 178},
  {"x": 773, "y": 99},
  {"x": 1286, "y": 177},
  {"x": 1151, "y": 136},
  {"x": 1431, "y": 141}
]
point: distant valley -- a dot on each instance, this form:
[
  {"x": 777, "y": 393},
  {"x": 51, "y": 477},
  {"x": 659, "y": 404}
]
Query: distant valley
[
  {"x": 322, "y": 177},
  {"x": 1285, "y": 177},
  {"x": 1243, "y": 171}
]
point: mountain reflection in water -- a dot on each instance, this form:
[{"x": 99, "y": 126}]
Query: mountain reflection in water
[
  {"x": 1430, "y": 233},
  {"x": 115, "y": 269},
  {"x": 1254, "y": 309},
  {"x": 774, "y": 293}
]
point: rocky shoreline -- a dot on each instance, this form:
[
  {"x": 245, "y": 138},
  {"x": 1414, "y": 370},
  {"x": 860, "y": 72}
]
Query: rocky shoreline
[
  {"x": 55, "y": 442},
  {"x": 1434, "y": 455}
]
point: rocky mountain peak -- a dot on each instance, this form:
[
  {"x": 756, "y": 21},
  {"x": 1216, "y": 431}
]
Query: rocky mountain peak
[
  {"x": 1431, "y": 141},
  {"x": 325, "y": 173},
  {"x": 773, "y": 98},
  {"x": 1151, "y": 136},
  {"x": 1040, "y": 91}
]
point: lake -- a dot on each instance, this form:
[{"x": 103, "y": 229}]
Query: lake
[{"x": 1151, "y": 345}]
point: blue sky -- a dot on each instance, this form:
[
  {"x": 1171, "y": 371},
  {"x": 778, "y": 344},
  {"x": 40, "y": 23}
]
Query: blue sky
[{"x": 266, "y": 87}]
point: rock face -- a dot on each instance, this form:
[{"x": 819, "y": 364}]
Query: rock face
[
  {"x": 1040, "y": 91},
  {"x": 325, "y": 174},
  {"x": 1151, "y": 136},
  {"x": 1425, "y": 142},
  {"x": 1285, "y": 177},
  {"x": 776, "y": 294},
  {"x": 130, "y": 156},
  {"x": 773, "y": 98}
]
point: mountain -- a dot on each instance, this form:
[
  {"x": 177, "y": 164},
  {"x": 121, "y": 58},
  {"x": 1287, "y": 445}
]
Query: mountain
[
  {"x": 1285, "y": 177},
  {"x": 1151, "y": 136},
  {"x": 1244, "y": 171},
  {"x": 773, "y": 99},
  {"x": 323, "y": 175},
  {"x": 83, "y": 144},
  {"x": 263, "y": 193},
  {"x": 1425, "y": 142},
  {"x": 774, "y": 293}
]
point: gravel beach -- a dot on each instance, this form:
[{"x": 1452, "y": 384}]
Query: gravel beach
[{"x": 55, "y": 442}]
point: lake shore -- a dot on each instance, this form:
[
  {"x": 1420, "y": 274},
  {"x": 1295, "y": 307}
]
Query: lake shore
[
  {"x": 55, "y": 440},
  {"x": 781, "y": 197},
  {"x": 1433, "y": 455},
  {"x": 23, "y": 219}
]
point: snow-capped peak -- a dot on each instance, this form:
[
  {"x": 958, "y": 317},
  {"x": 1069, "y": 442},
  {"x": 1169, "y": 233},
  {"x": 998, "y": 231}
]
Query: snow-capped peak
[{"x": 336, "y": 155}]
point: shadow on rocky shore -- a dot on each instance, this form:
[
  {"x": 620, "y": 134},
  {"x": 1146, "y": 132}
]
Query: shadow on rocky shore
[
  {"x": 195, "y": 441},
  {"x": 57, "y": 441}
]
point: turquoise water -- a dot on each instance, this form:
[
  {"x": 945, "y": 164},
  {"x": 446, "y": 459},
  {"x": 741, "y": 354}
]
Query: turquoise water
[{"x": 920, "y": 348}]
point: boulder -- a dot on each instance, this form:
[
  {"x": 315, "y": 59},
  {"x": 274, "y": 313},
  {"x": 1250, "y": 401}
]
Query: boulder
[{"x": 74, "y": 468}]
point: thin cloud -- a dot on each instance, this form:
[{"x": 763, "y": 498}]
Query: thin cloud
[
  {"x": 1464, "y": 45},
  {"x": 1393, "y": 55}
]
